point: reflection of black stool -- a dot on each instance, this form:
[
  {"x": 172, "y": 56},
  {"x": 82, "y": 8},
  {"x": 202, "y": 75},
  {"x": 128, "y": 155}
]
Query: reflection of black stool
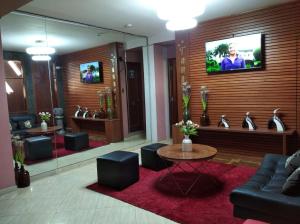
[
  {"x": 39, "y": 147},
  {"x": 151, "y": 160},
  {"x": 118, "y": 169},
  {"x": 76, "y": 141}
]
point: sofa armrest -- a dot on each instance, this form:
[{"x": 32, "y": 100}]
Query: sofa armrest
[{"x": 274, "y": 204}]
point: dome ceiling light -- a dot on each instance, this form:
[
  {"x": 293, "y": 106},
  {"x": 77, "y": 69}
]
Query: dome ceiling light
[{"x": 180, "y": 14}]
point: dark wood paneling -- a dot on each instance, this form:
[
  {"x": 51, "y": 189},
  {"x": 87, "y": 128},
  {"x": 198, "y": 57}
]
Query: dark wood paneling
[
  {"x": 16, "y": 100},
  {"x": 85, "y": 95},
  {"x": 11, "y": 5},
  {"x": 258, "y": 91},
  {"x": 42, "y": 87}
]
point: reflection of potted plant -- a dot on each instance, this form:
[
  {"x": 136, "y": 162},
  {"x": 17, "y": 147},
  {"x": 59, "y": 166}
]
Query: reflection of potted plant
[
  {"x": 21, "y": 175},
  {"x": 187, "y": 128},
  {"x": 45, "y": 116},
  {"x": 204, "y": 120},
  {"x": 186, "y": 94},
  {"x": 101, "y": 95},
  {"x": 109, "y": 111}
]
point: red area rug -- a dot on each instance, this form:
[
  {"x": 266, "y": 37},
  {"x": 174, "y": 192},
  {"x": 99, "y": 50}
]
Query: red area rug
[
  {"x": 207, "y": 203},
  {"x": 60, "y": 150}
]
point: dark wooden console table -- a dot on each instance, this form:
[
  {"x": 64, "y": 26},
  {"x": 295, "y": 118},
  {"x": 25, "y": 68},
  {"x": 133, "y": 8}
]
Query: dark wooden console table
[
  {"x": 177, "y": 136},
  {"x": 110, "y": 128}
]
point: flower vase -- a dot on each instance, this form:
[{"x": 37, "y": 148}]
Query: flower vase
[
  {"x": 102, "y": 113},
  {"x": 109, "y": 113},
  {"x": 17, "y": 170},
  {"x": 187, "y": 144},
  {"x": 204, "y": 119},
  {"x": 44, "y": 125},
  {"x": 186, "y": 114},
  {"x": 23, "y": 178}
]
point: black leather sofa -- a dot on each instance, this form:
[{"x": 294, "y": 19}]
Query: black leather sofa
[
  {"x": 17, "y": 123},
  {"x": 261, "y": 198}
]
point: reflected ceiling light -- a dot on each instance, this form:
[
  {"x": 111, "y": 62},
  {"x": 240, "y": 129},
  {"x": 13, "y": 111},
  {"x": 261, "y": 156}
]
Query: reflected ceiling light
[
  {"x": 41, "y": 58},
  {"x": 40, "y": 50},
  {"x": 8, "y": 89},
  {"x": 181, "y": 24},
  {"x": 14, "y": 67},
  {"x": 177, "y": 9}
]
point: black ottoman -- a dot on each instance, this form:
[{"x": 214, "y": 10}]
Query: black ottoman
[
  {"x": 151, "y": 160},
  {"x": 39, "y": 147},
  {"x": 118, "y": 169},
  {"x": 76, "y": 141}
]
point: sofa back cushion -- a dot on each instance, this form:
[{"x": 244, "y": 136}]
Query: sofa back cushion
[
  {"x": 292, "y": 184},
  {"x": 18, "y": 121},
  {"x": 293, "y": 162}
]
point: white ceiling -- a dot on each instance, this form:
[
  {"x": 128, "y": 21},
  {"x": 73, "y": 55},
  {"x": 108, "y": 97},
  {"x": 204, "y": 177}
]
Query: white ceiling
[
  {"x": 19, "y": 32},
  {"x": 116, "y": 13}
]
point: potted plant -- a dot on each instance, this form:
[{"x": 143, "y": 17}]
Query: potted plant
[
  {"x": 101, "y": 95},
  {"x": 186, "y": 94},
  {"x": 21, "y": 175},
  {"x": 109, "y": 111},
  {"x": 45, "y": 116},
  {"x": 204, "y": 119},
  {"x": 187, "y": 128}
]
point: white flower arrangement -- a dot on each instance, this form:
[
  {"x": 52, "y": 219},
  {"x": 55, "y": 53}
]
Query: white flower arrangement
[
  {"x": 188, "y": 128},
  {"x": 45, "y": 116}
]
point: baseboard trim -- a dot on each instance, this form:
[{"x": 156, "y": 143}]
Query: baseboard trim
[{"x": 8, "y": 189}]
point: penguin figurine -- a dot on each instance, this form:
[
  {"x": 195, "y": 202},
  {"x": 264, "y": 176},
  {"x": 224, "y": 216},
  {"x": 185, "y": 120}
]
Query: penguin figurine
[
  {"x": 86, "y": 113},
  {"x": 223, "y": 122},
  {"x": 78, "y": 112},
  {"x": 276, "y": 121},
  {"x": 96, "y": 114},
  {"x": 248, "y": 122}
]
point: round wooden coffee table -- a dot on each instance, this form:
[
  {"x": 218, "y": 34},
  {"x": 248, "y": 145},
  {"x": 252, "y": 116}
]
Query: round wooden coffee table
[
  {"x": 38, "y": 131},
  {"x": 175, "y": 154}
]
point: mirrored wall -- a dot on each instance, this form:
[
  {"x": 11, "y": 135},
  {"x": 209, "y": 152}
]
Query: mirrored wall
[{"x": 72, "y": 89}]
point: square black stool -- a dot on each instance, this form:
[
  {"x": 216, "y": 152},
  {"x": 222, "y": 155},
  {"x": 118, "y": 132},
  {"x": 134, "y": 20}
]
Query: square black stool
[
  {"x": 151, "y": 160},
  {"x": 38, "y": 147},
  {"x": 118, "y": 169},
  {"x": 76, "y": 141}
]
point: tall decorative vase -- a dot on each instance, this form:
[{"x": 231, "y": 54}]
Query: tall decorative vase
[
  {"x": 17, "y": 170},
  {"x": 204, "y": 119},
  {"x": 44, "y": 125},
  {"x": 186, "y": 114},
  {"x": 187, "y": 145},
  {"x": 23, "y": 178}
]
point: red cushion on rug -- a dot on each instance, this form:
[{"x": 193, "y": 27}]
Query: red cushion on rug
[
  {"x": 207, "y": 203},
  {"x": 251, "y": 221}
]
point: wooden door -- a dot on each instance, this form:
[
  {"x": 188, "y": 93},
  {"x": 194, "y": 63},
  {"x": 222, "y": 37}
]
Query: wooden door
[
  {"x": 135, "y": 97},
  {"x": 172, "y": 78}
]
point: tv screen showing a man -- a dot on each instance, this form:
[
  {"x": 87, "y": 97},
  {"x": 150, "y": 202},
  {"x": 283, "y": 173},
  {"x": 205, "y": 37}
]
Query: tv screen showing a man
[
  {"x": 234, "y": 54},
  {"x": 91, "y": 72}
]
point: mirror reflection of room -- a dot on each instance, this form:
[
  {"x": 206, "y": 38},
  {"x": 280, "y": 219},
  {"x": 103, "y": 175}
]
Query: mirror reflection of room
[{"x": 69, "y": 89}]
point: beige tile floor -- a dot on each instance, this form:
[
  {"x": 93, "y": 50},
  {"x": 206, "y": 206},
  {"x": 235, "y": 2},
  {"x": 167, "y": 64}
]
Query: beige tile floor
[{"x": 63, "y": 198}]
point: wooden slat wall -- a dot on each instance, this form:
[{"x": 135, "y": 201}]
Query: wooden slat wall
[
  {"x": 258, "y": 91},
  {"x": 78, "y": 93}
]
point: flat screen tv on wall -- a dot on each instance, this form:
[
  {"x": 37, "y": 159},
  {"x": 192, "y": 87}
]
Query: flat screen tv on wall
[
  {"x": 91, "y": 72},
  {"x": 236, "y": 54}
]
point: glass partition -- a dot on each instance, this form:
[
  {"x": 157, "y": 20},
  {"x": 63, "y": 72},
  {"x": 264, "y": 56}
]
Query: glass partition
[{"x": 85, "y": 86}]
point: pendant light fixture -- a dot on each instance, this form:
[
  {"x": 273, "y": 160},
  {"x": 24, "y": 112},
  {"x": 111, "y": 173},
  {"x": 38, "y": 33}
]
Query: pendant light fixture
[
  {"x": 180, "y": 15},
  {"x": 41, "y": 53}
]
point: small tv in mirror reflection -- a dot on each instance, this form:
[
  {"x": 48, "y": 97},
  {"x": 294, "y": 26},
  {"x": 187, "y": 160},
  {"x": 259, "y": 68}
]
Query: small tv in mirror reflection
[
  {"x": 91, "y": 72},
  {"x": 237, "y": 54}
]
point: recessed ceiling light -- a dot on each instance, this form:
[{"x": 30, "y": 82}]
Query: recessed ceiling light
[{"x": 128, "y": 25}]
